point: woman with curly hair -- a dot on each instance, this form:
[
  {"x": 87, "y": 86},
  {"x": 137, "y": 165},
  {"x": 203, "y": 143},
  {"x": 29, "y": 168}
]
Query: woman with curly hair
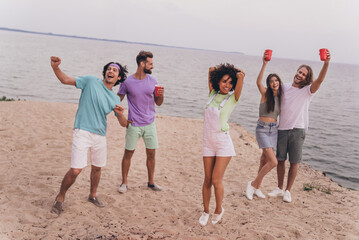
[
  {"x": 267, "y": 129},
  {"x": 225, "y": 84}
]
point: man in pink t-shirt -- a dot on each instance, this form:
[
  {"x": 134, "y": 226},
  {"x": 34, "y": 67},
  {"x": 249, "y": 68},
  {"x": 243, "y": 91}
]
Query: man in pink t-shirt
[
  {"x": 141, "y": 98},
  {"x": 293, "y": 123}
]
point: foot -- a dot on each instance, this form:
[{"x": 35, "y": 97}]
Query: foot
[
  {"x": 123, "y": 188},
  {"x": 217, "y": 217},
  {"x": 287, "y": 197},
  {"x": 259, "y": 193},
  {"x": 154, "y": 187},
  {"x": 204, "y": 219},
  {"x": 276, "y": 193},
  {"x": 57, "y": 207},
  {"x": 250, "y": 190},
  {"x": 96, "y": 201}
]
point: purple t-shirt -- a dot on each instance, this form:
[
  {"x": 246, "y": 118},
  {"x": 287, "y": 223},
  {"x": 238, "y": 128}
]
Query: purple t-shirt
[{"x": 141, "y": 103}]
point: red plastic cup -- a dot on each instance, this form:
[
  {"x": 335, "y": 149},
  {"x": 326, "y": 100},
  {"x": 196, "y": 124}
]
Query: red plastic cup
[
  {"x": 157, "y": 88},
  {"x": 323, "y": 53},
  {"x": 269, "y": 54}
]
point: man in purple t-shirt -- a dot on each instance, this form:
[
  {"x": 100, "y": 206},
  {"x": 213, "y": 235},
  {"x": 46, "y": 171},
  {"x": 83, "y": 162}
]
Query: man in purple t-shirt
[{"x": 140, "y": 88}]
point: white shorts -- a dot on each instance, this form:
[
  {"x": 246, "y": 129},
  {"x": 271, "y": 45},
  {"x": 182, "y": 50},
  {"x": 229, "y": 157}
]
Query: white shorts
[
  {"x": 217, "y": 144},
  {"x": 83, "y": 141}
]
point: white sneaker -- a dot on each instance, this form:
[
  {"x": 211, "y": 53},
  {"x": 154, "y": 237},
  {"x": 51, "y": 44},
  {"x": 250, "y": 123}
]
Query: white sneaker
[
  {"x": 259, "y": 193},
  {"x": 287, "y": 197},
  {"x": 276, "y": 193},
  {"x": 217, "y": 217},
  {"x": 122, "y": 188},
  {"x": 250, "y": 190},
  {"x": 204, "y": 219}
]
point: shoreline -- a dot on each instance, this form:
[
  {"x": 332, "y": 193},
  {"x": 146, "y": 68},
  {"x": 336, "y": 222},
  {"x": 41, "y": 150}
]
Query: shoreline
[{"x": 36, "y": 138}]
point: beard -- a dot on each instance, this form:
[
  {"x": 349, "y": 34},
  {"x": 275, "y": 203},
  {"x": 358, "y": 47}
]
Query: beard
[{"x": 148, "y": 71}]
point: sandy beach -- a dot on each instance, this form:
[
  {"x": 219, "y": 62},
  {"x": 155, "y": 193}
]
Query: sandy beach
[{"x": 35, "y": 150}]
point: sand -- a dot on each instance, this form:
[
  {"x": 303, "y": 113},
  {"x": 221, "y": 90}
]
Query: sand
[{"x": 35, "y": 150}]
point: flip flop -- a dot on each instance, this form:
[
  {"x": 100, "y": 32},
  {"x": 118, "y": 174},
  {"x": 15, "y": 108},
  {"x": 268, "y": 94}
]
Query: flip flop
[{"x": 96, "y": 201}]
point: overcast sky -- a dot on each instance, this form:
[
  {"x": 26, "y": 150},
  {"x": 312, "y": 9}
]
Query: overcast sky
[{"x": 292, "y": 28}]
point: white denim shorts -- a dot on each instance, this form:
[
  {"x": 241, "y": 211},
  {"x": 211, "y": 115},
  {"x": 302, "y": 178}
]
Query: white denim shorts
[
  {"x": 217, "y": 144},
  {"x": 82, "y": 142}
]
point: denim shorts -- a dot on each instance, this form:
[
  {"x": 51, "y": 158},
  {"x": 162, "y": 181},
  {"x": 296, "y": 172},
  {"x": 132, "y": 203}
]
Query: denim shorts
[
  {"x": 290, "y": 142},
  {"x": 266, "y": 134}
]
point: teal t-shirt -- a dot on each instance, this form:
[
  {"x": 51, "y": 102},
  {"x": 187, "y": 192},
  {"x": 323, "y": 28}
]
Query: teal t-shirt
[
  {"x": 227, "y": 109},
  {"x": 96, "y": 101}
]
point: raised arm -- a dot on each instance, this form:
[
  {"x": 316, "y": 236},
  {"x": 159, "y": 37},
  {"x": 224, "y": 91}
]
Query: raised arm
[
  {"x": 210, "y": 87},
  {"x": 238, "y": 90},
  {"x": 64, "y": 79},
  {"x": 260, "y": 85},
  {"x": 316, "y": 84}
]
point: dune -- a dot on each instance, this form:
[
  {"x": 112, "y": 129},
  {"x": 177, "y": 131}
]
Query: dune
[{"x": 35, "y": 150}]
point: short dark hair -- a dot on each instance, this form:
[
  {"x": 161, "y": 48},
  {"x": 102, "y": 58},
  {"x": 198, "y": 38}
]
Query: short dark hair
[
  {"x": 309, "y": 78},
  {"x": 221, "y": 70},
  {"x": 142, "y": 56},
  {"x": 123, "y": 72}
]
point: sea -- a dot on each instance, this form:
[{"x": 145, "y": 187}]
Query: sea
[{"x": 332, "y": 140}]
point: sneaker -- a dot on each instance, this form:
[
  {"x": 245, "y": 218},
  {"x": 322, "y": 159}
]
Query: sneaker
[
  {"x": 122, "y": 188},
  {"x": 217, "y": 217},
  {"x": 250, "y": 190},
  {"x": 276, "y": 193},
  {"x": 287, "y": 197},
  {"x": 204, "y": 219},
  {"x": 96, "y": 201},
  {"x": 57, "y": 207},
  {"x": 154, "y": 187},
  {"x": 259, "y": 193}
]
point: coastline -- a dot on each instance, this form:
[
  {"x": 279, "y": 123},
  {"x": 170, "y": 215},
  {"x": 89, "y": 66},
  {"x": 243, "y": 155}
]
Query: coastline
[{"x": 35, "y": 140}]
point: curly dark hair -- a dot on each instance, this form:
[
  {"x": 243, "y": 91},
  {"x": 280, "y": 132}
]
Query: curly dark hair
[
  {"x": 269, "y": 93},
  {"x": 221, "y": 70},
  {"x": 123, "y": 72},
  {"x": 309, "y": 78}
]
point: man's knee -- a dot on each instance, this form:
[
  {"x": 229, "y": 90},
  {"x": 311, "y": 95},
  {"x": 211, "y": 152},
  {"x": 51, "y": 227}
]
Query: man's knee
[
  {"x": 151, "y": 153},
  {"x": 75, "y": 171},
  {"x": 127, "y": 155}
]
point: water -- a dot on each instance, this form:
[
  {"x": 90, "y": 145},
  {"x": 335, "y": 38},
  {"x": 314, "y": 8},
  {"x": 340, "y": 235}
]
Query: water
[{"x": 331, "y": 144}]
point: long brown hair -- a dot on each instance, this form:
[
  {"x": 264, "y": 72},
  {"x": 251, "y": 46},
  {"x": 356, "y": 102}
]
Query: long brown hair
[
  {"x": 309, "y": 78},
  {"x": 269, "y": 93}
]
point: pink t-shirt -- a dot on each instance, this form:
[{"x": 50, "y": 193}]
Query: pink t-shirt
[{"x": 294, "y": 107}]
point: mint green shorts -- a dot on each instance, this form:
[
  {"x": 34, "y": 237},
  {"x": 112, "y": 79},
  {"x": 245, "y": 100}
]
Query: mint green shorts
[{"x": 148, "y": 133}]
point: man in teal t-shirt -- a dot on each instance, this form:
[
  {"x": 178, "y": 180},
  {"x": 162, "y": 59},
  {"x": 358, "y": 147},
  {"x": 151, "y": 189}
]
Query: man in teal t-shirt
[{"x": 96, "y": 101}]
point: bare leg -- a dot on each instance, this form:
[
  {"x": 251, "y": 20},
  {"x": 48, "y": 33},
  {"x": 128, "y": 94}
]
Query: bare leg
[
  {"x": 68, "y": 180},
  {"x": 208, "y": 163},
  {"x": 151, "y": 163},
  {"x": 262, "y": 161},
  {"x": 270, "y": 162},
  {"x": 293, "y": 170},
  {"x": 217, "y": 181},
  {"x": 281, "y": 173},
  {"x": 126, "y": 163},
  {"x": 95, "y": 179}
]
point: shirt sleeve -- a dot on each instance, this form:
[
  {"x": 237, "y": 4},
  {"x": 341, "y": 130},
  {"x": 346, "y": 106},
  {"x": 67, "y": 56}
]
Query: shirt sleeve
[
  {"x": 123, "y": 89},
  {"x": 82, "y": 81}
]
